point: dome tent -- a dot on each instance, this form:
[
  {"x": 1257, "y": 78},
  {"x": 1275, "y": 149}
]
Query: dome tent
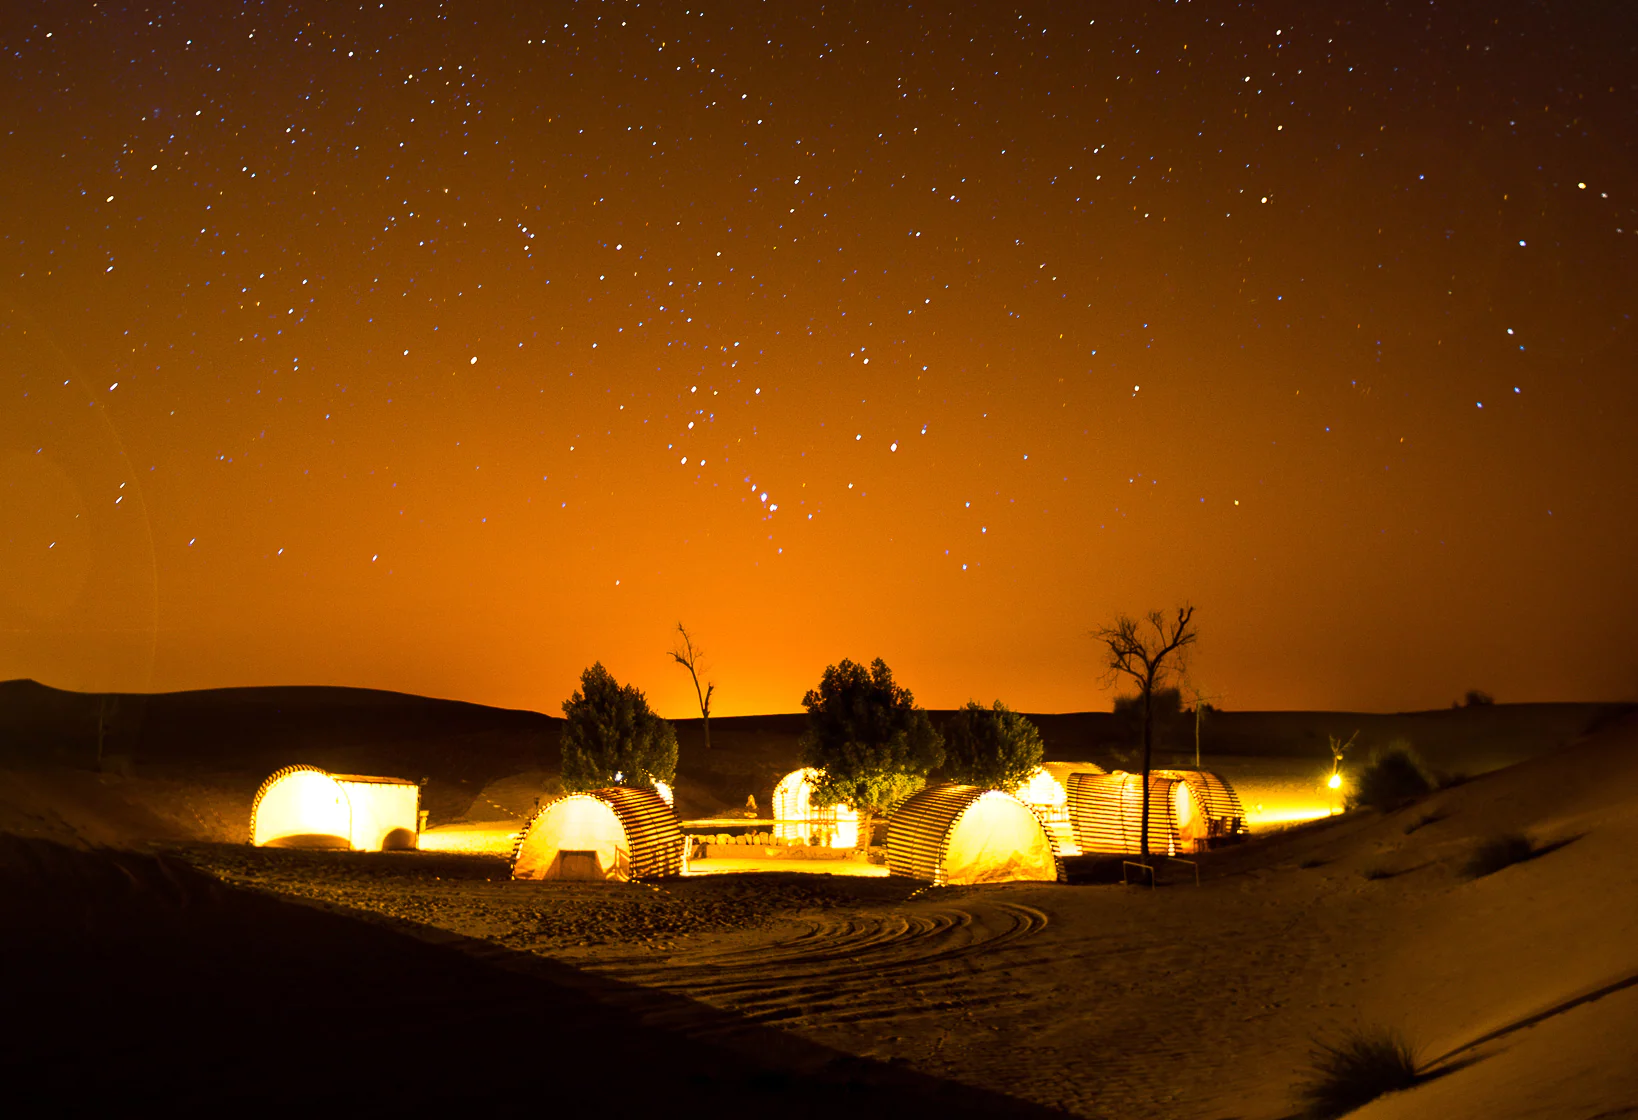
[
  {"x": 1215, "y": 804},
  {"x": 796, "y": 817},
  {"x": 305, "y": 807},
  {"x": 616, "y": 833},
  {"x": 1188, "y": 810},
  {"x": 950, "y": 833},
  {"x": 1046, "y": 790}
]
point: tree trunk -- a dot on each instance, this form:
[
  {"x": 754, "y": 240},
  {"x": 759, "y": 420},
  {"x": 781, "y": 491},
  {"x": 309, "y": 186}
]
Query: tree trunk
[
  {"x": 1148, "y": 740},
  {"x": 705, "y": 719}
]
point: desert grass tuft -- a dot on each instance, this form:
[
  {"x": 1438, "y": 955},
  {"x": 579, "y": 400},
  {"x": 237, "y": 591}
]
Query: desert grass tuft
[
  {"x": 1394, "y": 775},
  {"x": 1498, "y": 852},
  {"x": 1377, "y": 871},
  {"x": 1356, "y": 1069}
]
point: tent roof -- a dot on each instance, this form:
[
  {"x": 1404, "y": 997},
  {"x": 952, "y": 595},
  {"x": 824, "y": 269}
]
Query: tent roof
[
  {"x": 1061, "y": 771},
  {"x": 373, "y": 780}
]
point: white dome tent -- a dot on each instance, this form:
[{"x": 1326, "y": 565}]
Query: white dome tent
[
  {"x": 797, "y": 818},
  {"x": 305, "y": 807}
]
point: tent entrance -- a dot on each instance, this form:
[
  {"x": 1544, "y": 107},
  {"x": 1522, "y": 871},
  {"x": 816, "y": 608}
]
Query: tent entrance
[{"x": 578, "y": 865}]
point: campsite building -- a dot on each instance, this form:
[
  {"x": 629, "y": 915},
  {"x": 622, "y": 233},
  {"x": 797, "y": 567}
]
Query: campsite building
[
  {"x": 797, "y": 818},
  {"x": 305, "y": 807}
]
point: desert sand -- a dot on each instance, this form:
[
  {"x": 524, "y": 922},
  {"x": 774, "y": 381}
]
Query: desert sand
[{"x": 1519, "y": 988}]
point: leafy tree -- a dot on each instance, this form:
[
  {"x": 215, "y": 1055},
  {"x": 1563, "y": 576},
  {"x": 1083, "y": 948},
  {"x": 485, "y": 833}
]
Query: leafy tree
[
  {"x": 612, "y": 738},
  {"x": 993, "y": 747},
  {"x": 1137, "y": 653},
  {"x": 869, "y": 741}
]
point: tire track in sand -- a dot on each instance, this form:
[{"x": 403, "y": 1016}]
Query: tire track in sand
[{"x": 843, "y": 967}]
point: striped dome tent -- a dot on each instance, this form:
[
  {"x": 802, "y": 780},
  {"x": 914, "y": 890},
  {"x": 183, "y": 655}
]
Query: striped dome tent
[
  {"x": 952, "y": 833},
  {"x": 617, "y": 833},
  {"x": 1216, "y": 803},
  {"x": 1107, "y": 813}
]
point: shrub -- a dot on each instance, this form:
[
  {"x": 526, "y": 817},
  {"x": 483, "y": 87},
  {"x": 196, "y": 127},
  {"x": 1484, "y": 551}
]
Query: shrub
[
  {"x": 1498, "y": 852},
  {"x": 1393, "y": 775},
  {"x": 1355, "y": 1070}
]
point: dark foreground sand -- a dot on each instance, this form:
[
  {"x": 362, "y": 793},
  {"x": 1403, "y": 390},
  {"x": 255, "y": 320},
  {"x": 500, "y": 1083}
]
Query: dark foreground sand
[{"x": 139, "y": 981}]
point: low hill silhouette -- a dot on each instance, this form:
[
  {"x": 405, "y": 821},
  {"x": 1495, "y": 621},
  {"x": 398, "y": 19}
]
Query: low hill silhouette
[{"x": 237, "y": 736}]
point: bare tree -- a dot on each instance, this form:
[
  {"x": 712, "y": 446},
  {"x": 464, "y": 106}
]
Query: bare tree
[
  {"x": 1135, "y": 652},
  {"x": 692, "y": 658}
]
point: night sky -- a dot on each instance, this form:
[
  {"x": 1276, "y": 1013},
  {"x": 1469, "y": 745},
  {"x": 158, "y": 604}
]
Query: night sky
[{"x": 449, "y": 348}]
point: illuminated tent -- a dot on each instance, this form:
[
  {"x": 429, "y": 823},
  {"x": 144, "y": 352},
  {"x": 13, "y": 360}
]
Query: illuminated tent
[
  {"x": 1214, "y": 801},
  {"x": 963, "y": 834},
  {"x": 305, "y": 807},
  {"x": 1187, "y": 810},
  {"x": 1046, "y": 791},
  {"x": 616, "y": 833},
  {"x": 796, "y": 817}
]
